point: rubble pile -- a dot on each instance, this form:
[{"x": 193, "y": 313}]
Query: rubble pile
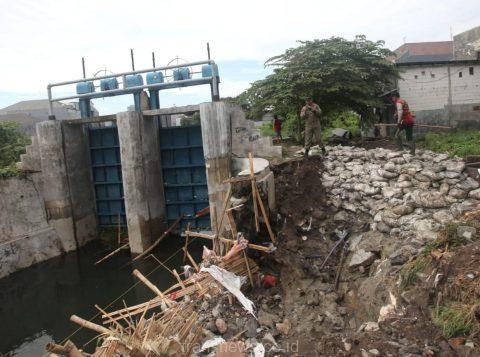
[
  {"x": 393, "y": 205},
  {"x": 407, "y": 196},
  {"x": 353, "y": 229}
]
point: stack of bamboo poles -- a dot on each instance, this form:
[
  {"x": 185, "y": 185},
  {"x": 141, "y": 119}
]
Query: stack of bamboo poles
[{"x": 173, "y": 329}]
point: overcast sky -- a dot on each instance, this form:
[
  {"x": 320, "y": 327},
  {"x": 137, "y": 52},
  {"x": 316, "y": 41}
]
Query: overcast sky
[{"x": 42, "y": 41}]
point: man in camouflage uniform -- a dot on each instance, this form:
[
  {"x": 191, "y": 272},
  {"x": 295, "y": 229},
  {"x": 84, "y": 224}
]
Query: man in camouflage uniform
[{"x": 311, "y": 113}]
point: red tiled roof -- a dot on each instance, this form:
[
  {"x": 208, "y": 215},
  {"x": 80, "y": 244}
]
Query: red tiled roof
[{"x": 426, "y": 50}]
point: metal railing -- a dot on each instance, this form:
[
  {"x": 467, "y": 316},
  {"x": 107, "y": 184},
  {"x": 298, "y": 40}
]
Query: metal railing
[{"x": 175, "y": 84}]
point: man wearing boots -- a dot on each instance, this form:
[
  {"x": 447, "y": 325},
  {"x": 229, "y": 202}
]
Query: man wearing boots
[
  {"x": 404, "y": 122},
  {"x": 311, "y": 113}
]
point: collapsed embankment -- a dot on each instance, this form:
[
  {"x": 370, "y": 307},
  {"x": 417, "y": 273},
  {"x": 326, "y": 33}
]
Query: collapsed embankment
[
  {"x": 365, "y": 264},
  {"x": 362, "y": 300}
]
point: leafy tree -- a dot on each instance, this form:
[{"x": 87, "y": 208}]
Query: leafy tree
[
  {"x": 340, "y": 75},
  {"x": 12, "y": 143}
]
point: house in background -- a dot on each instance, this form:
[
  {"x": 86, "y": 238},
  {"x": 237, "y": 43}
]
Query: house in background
[{"x": 441, "y": 80}]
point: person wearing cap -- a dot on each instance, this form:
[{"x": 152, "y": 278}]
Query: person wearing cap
[{"x": 311, "y": 112}]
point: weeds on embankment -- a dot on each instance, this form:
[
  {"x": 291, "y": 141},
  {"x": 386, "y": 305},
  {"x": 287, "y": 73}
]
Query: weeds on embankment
[
  {"x": 460, "y": 142},
  {"x": 456, "y": 318}
]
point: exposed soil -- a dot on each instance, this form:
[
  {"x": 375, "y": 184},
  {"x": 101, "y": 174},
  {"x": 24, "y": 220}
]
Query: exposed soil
[
  {"x": 307, "y": 234},
  {"x": 322, "y": 299}
]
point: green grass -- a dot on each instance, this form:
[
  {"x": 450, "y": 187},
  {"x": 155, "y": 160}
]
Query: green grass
[
  {"x": 9, "y": 171},
  {"x": 409, "y": 270},
  {"x": 267, "y": 129},
  {"x": 346, "y": 120},
  {"x": 459, "y": 143},
  {"x": 456, "y": 319}
]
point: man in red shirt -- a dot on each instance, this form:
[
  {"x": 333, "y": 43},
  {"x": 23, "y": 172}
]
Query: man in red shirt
[
  {"x": 404, "y": 121},
  {"x": 277, "y": 127}
]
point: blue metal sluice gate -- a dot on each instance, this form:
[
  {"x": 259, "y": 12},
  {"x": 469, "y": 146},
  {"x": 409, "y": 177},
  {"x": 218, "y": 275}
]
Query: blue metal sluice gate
[
  {"x": 184, "y": 175},
  {"x": 107, "y": 175}
]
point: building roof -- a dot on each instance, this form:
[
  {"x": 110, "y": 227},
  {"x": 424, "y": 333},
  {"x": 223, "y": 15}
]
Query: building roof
[
  {"x": 417, "y": 52},
  {"x": 36, "y": 104}
]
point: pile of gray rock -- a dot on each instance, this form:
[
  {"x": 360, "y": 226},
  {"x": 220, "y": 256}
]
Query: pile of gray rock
[{"x": 407, "y": 196}]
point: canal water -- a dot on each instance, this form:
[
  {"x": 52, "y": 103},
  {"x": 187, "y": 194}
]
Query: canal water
[{"x": 36, "y": 303}]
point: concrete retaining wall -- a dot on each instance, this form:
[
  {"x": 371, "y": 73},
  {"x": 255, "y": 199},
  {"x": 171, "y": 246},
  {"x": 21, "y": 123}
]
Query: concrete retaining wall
[
  {"x": 26, "y": 237},
  {"x": 246, "y": 138}
]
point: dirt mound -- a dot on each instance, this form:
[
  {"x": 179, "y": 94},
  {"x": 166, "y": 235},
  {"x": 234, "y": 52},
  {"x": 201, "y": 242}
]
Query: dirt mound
[
  {"x": 298, "y": 186},
  {"x": 306, "y": 263}
]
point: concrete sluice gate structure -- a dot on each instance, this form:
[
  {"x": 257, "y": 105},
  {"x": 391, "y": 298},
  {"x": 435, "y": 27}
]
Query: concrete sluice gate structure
[{"x": 143, "y": 168}]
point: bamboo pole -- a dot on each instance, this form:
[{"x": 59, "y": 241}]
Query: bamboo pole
[
  {"x": 233, "y": 228},
  {"x": 253, "y": 181},
  {"x": 224, "y": 208},
  {"x": 265, "y": 216},
  {"x": 166, "y": 233},
  {"x": 112, "y": 253},
  {"x": 186, "y": 243},
  {"x": 90, "y": 325},
  {"x": 73, "y": 350},
  {"x": 58, "y": 349},
  {"x": 109, "y": 318},
  {"x": 147, "y": 333},
  {"x": 191, "y": 260},
  {"x": 419, "y": 125},
  {"x": 202, "y": 212},
  {"x": 151, "y": 286},
  {"x": 175, "y": 274},
  {"x": 250, "y": 245}
]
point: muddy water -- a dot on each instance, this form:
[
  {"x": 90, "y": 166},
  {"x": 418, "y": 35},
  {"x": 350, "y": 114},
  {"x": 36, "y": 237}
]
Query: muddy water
[{"x": 36, "y": 303}]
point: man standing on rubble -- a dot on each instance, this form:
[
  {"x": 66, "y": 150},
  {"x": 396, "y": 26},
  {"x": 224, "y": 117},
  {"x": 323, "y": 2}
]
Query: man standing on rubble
[
  {"x": 311, "y": 113},
  {"x": 404, "y": 121}
]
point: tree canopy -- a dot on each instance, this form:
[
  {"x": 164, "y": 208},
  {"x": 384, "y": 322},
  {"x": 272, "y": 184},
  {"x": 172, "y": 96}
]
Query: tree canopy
[
  {"x": 338, "y": 74},
  {"x": 12, "y": 143}
]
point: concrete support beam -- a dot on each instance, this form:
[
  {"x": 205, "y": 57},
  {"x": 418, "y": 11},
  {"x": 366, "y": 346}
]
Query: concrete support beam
[
  {"x": 142, "y": 179},
  {"x": 56, "y": 191},
  {"x": 217, "y": 148},
  {"x": 77, "y": 159}
]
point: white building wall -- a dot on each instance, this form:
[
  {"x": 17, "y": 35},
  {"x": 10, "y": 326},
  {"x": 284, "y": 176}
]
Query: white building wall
[
  {"x": 465, "y": 89},
  {"x": 426, "y": 87}
]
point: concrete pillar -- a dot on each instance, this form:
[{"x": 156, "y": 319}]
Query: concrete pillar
[
  {"x": 142, "y": 179},
  {"x": 56, "y": 192},
  {"x": 217, "y": 148},
  {"x": 77, "y": 159}
]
